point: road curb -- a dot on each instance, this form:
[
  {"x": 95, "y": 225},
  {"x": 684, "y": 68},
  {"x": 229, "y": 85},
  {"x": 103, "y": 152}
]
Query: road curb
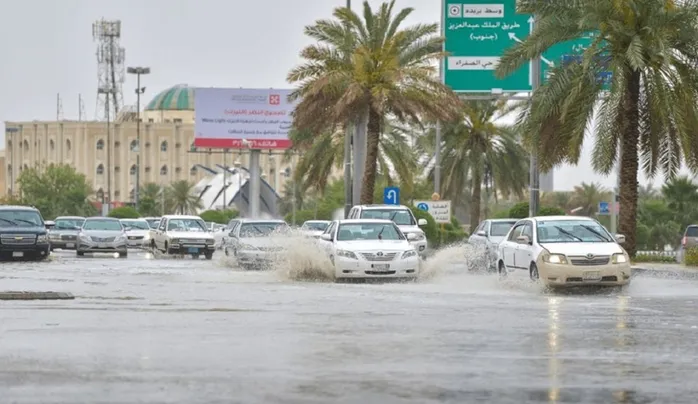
[
  {"x": 666, "y": 273},
  {"x": 36, "y": 296}
]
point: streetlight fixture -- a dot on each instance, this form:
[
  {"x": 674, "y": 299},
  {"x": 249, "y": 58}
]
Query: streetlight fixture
[
  {"x": 138, "y": 71},
  {"x": 108, "y": 91}
]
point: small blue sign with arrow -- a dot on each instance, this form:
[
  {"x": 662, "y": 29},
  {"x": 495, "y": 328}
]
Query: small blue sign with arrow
[
  {"x": 423, "y": 206},
  {"x": 391, "y": 195},
  {"x": 604, "y": 208}
]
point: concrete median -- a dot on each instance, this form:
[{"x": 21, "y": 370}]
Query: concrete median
[
  {"x": 36, "y": 296},
  {"x": 668, "y": 271}
]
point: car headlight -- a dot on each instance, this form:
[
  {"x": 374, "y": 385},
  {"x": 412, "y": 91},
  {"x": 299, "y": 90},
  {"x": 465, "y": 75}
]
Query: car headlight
[
  {"x": 619, "y": 259},
  {"x": 42, "y": 238},
  {"x": 85, "y": 237},
  {"x": 210, "y": 241},
  {"x": 555, "y": 259},
  {"x": 248, "y": 247},
  {"x": 346, "y": 254},
  {"x": 120, "y": 238},
  {"x": 418, "y": 237},
  {"x": 409, "y": 253},
  {"x": 147, "y": 236}
]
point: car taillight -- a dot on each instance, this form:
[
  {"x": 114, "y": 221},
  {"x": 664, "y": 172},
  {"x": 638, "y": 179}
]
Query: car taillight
[{"x": 683, "y": 241}]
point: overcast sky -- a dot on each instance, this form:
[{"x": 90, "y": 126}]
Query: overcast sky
[{"x": 47, "y": 49}]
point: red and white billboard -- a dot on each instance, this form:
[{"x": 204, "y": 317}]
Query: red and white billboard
[{"x": 227, "y": 117}]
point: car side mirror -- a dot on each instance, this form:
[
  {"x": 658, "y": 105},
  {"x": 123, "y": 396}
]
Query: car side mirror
[
  {"x": 620, "y": 239},
  {"x": 411, "y": 236},
  {"x": 422, "y": 222},
  {"x": 326, "y": 237},
  {"x": 523, "y": 240},
  {"x": 481, "y": 233}
]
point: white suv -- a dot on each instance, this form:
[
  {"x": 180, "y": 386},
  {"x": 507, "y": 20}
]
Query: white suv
[{"x": 401, "y": 215}]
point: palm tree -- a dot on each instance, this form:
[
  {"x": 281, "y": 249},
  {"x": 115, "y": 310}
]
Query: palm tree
[
  {"x": 366, "y": 69},
  {"x": 477, "y": 151},
  {"x": 646, "y": 192},
  {"x": 649, "y": 47},
  {"x": 184, "y": 199},
  {"x": 150, "y": 199},
  {"x": 588, "y": 196},
  {"x": 558, "y": 199},
  {"x": 322, "y": 155}
]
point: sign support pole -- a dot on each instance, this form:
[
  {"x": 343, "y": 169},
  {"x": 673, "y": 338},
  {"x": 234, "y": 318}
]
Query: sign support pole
[
  {"x": 534, "y": 180},
  {"x": 255, "y": 184}
]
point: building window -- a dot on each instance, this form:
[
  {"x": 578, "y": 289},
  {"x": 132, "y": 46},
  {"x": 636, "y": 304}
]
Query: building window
[
  {"x": 178, "y": 145},
  {"x": 163, "y": 146},
  {"x": 68, "y": 145},
  {"x": 26, "y": 167},
  {"x": 52, "y": 145},
  {"x": 9, "y": 168},
  {"x": 117, "y": 194},
  {"x": 100, "y": 194},
  {"x": 133, "y": 169},
  {"x": 178, "y": 170},
  {"x": 193, "y": 170},
  {"x": 177, "y": 120},
  {"x": 117, "y": 169},
  {"x": 100, "y": 144},
  {"x": 147, "y": 144},
  {"x": 163, "y": 170},
  {"x": 100, "y": 169},
  {"x": 117, "y": 144},
  {"x": 26, "y": 145},
  {"x": 147, "y": 169},
  {"x": 9, "y": 144},
  {"x": 134, "y": 146}
]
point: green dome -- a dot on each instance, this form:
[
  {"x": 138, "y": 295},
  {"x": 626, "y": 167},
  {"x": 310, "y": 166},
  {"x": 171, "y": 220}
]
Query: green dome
[{"x": 177, "y": 98}]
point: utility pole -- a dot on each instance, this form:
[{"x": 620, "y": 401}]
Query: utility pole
[
  {"x": 534, "y": 174},
  {"x": 225, "y": 179},
  {"x": 138, "y": 71},
  {"x": 347, "y": 163}
]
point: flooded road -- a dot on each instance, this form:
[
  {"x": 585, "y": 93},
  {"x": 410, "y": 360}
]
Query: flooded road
[{"x": 144, "y": 330}]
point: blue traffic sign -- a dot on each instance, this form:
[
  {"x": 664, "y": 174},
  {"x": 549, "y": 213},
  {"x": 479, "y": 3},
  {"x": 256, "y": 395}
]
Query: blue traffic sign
[
  {"x": 391, "y": 195},
  {"x": 423, "y": 206},
  {"x": 604, "y": 208}
]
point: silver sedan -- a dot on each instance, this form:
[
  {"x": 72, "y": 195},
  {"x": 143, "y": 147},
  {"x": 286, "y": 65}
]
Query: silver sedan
[{"x": 102, "y": 235}]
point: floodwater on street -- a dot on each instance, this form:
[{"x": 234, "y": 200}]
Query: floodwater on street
[{"x": 151, "y": 330}]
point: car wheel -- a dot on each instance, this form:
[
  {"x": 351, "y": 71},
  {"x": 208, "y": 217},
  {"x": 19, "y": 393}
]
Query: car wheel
[
  {"x": 79, "y": 253},
  {"x": 502, "y": 270},
  {"x": 123, "y": 254},
  {"x": 209, "y": 256},
  {"x": 534, "y": 272},
  {"x": 226, "y": 252}
]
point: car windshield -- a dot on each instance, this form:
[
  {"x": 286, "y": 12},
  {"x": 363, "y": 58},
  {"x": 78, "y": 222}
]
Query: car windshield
[
  {"x": 20, "y": 218},
  {"x": 368, "y": 231},
  {"x": 321, "y": 226},
  {"x": 136, "y": 224},
  {"x": 500, "y": 229},
  {"x": 262, "y": 229},
  {"x": 572, "y": 231},
  {"x": 105, "y": 225},
  {"x": 69, "y": 224},
  {"x": 154, "y": 223},
  {"x": 401, "y": 217},
  {"x": 187, "y": 225}
]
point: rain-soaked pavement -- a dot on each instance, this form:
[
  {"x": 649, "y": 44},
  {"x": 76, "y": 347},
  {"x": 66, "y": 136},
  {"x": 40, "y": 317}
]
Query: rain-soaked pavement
[{"x": 144, "y": 330}]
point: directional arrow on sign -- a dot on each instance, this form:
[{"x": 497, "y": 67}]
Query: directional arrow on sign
[{"x": 515, "y": 38}]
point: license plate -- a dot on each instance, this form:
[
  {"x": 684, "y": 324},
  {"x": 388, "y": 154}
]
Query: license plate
[
  {"x": 591, "y": 276},
  {"x": 193, "y": 250},
  {"x": 101, "y": 246},
  {"x": 17, "y": 254},
  {"x": 70, "y": 245},
  {"x": 381, "y": 267}
]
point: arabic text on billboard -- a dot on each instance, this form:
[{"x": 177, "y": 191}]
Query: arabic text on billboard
[{"x": 227, "y": 116}]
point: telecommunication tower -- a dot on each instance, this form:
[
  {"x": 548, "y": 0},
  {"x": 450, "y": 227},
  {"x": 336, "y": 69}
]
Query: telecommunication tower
[{"x": 110, "y": 68}]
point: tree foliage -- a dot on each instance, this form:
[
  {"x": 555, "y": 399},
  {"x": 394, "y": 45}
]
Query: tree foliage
[
  {"x": 56, "y": 190},
  {"x": 124, "y": 212}
]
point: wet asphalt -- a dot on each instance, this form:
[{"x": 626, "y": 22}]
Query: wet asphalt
[{"x": 151, "y": 330}]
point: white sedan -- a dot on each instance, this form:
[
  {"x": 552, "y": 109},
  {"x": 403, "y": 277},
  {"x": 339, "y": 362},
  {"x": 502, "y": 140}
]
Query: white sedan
[
  {"x": 369, "y": 248},
  {"x": 564, "y": 251}
]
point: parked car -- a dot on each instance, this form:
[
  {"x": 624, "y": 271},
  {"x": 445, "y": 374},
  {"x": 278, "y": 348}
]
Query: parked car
[
  {"x": 370, "y": 248},
  {"x": 183, "y": 235},
  {"x": 64, "y": 234},
  {"x": 487, "y": 237},
  {"x": 564, "y": 251},
  {"x": 102, "y": 235}
]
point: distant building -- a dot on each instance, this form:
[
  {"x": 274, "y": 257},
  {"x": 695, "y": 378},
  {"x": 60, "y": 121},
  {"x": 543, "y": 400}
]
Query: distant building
[
  {"x": 167, "y": 136},
  {"x": 3, "y": 168},
  {"x": 546, "y": 183}
]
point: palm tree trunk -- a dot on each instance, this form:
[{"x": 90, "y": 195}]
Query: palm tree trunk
[
  {"x": 373, "y": 133},
  {"x": 475, "y": 201},
  {"x": 627, "y": 223}
]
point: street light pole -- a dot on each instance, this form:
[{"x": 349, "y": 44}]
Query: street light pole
[
  {"x": 347, "y": 161},
  {"x": 138, "y": 71},
  {"x": 534, "y": 174},
  {"x": 108, "y": 91}
]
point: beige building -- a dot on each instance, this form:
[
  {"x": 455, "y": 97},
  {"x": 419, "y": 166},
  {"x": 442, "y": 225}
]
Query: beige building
[
  {"x": 167, "y": 136},
  {"x": 3, "y": 167}
]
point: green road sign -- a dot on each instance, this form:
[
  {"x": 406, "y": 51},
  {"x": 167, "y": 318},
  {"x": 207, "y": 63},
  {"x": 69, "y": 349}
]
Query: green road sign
[{"x": 478, "y": 32}]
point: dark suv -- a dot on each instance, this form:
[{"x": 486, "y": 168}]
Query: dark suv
[{"x": 23, "y": 233}]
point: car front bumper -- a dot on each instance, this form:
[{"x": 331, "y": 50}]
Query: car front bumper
[
  {"x": 37, "y": 250},
  {"x": 191, "y": 249},
  {"x": 85, "y": 246},
  {"x": 137, "y": 242},
  {"x": 420, "y": 246},
  {"x": 257, "y": 258},
  {"x": 557, "y": 275},
  {"x": 348, "y": 268}
]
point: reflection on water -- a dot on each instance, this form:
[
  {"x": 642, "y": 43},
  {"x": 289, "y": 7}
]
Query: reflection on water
[{"x": 623, "y": 340}]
